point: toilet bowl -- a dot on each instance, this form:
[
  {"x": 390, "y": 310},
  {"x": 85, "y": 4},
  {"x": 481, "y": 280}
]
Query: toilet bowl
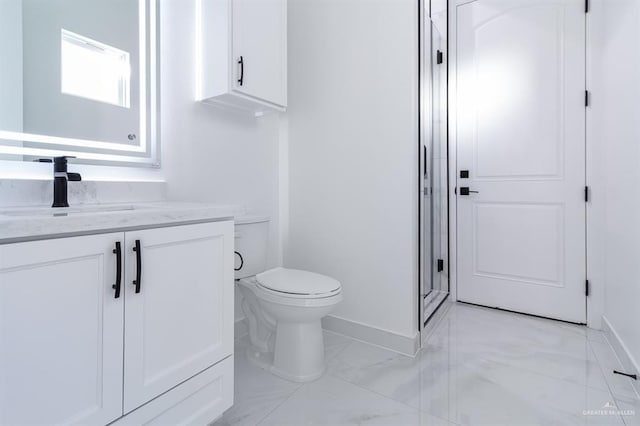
[{"x": 283, "y": 307}]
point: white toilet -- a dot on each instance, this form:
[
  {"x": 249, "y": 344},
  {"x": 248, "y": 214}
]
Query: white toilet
[{"x": 283, "y": 307}]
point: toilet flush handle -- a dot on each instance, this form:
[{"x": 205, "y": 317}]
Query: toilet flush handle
[{"x": 241, "y": 262}]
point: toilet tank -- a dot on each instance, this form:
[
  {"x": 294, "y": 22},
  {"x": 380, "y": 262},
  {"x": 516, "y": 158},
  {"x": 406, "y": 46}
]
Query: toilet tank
[{"x": 251, "y": 240}]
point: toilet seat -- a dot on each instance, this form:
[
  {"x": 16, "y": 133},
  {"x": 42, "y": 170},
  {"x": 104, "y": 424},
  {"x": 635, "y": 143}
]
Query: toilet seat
[{"x": 293, "y": 283}]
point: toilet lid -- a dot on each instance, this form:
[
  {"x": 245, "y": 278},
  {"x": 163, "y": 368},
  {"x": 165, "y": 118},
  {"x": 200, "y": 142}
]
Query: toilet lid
[{"x": 294, "y": 281}]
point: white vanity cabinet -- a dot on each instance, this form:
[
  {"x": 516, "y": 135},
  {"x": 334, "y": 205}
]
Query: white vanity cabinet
[
  {"x": 179, "y": 323},
  {"x": 71, "y": 352},
  {"x": 243, "y": 51},
  {"x": 60, "y": 332}
]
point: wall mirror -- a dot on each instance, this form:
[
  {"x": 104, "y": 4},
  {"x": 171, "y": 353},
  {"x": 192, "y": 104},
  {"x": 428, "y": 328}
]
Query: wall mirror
[{"x": 79, "y": 77}]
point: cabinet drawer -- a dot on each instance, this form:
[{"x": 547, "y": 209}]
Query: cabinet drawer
[{"x": 198, "y": 401}]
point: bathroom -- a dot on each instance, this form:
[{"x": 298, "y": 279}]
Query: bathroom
[{"x": 319, "y": 212}]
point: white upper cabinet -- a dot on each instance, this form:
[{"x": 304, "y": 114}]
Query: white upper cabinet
[
  {"x": 243, "y": 54},
  {"x": 61, "y": 331}
]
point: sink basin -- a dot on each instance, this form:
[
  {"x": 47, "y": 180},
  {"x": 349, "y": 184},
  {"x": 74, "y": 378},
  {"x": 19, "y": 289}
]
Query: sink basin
[{"x": 65, "y": 211}]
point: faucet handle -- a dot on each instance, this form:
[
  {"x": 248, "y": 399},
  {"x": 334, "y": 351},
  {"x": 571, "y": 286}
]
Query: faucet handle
[
  {"x": 43, "y": 160},
  {"x": 74, "y": 177},
  {"x": 62, "y": 159}
]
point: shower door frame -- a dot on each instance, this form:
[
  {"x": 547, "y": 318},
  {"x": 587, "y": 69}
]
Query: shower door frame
[{"x": 426, "y": 132}]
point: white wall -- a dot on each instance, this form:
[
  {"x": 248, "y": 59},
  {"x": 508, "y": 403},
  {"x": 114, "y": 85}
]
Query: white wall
[
  {"x": 353, "y": 145},
  {"x": 614, "y": 167},
  {"x": 209, "y": 154}
]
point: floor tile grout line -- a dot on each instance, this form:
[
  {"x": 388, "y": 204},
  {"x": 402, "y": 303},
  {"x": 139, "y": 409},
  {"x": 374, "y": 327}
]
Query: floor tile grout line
[
  {"x": 389, "y": 398},
  {"x": 259, "y": 422},
  {"x": 351, "y": 342},
  {"x": 337, "y": 354},
  {"x": 263, "y": 418},
  {"x": 588, "y": 342},
  {"x": 583, "y": 337},
  {"x": 504, "y": 364}
]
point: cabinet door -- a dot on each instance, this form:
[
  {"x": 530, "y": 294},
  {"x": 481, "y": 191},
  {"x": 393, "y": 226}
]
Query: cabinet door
[
  {"x": 260, "y": 40},
  {"x": 61, "y": 332},
  {"x": 181, "y": 320}
]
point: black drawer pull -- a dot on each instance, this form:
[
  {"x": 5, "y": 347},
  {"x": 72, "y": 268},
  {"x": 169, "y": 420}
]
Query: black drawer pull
[
  {"x": 118, "y": 285},
  {"x": 138, "y": 281}
]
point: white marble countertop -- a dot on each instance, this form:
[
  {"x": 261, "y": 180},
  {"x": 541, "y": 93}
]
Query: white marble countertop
[{"x": 18, "y": 224}]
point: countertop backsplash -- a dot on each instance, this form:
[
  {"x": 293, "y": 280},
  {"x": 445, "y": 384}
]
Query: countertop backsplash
[{"x": 23, "y": 192}]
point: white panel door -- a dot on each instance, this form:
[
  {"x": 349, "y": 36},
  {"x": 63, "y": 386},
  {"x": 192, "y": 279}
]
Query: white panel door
[
  {"x": 521, "y": 136},
  {"x": 181, "y": 320},
  {"x": 260, "y": 43},
  {"x": 60, "y": 332}
]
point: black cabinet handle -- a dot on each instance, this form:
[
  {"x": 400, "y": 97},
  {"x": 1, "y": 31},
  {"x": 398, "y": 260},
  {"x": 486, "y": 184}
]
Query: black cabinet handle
[
  {"x": 241, "y": 63},
  {"x": 118, "y": 285},
  {"x": 138, "y": 281}
]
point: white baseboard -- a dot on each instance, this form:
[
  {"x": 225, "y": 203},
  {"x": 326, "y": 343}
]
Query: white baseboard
[
  {"x": 387, "y": 339},
  {"x": 240, "y": 329},
  {"x": 629, "y": 363}
]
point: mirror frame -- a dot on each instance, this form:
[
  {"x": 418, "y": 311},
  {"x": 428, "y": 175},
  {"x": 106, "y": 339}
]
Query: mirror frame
[{"x": 146, "y": 153}]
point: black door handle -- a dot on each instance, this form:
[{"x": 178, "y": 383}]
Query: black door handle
[
  {"x": 241, "y": 63},
  {"x": 464, "y": 190},
  {"x": 138, "y": 281},
  {"x": 118, "y": 285}
]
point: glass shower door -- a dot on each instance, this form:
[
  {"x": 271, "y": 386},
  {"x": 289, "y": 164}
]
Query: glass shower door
[{"x": 435, "y": 247}]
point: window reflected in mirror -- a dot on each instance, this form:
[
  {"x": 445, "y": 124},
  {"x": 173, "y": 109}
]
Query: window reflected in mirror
[{"x": 94, "y": 70}]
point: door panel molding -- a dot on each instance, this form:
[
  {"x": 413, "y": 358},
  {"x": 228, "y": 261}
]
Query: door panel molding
[{"x": 519, "y": 128}]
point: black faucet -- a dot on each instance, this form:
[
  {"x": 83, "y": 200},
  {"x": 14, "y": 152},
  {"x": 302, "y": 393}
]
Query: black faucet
[{"x": 60, "y": 179}]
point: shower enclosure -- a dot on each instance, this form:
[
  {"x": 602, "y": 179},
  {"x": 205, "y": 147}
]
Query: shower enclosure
[{"x": 434, "y": 282}]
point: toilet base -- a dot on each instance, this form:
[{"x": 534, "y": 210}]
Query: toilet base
[
  {"x": 285, "y": 333},
  {"x": 299, "y": 351},
  {"x": 262, "y": 360},
  {"x": 299, "y": 379}
]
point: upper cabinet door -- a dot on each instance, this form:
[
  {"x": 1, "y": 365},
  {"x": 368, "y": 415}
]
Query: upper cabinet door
[
  {"x": 60, "y": 332},
  {"x": 260, "y": 49},
  {"x": 179, "y": 312}
]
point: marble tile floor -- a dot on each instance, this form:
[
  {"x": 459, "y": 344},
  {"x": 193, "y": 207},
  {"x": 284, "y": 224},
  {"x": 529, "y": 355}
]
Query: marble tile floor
[{"x": 479, "y": 367}]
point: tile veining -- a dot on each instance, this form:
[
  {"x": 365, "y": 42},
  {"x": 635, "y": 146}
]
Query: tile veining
[{"x": 479, "y": 367}]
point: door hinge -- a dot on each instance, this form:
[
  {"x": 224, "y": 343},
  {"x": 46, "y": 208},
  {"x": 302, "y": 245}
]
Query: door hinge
[
  {"x": 586, "y": 98},
  {"x": 439, "y": 57},
  {"x": 586, "y": 6},
  {"x": 440, "y": 265},
  {"x": 586, "y": 288},
  {"x": 586, "y": 194}
]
